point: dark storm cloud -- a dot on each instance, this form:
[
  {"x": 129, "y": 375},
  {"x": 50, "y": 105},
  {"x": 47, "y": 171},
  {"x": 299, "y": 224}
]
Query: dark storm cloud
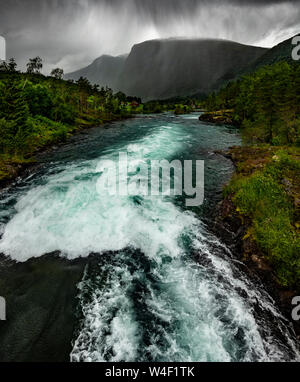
[{"x": 70, "y": 33}]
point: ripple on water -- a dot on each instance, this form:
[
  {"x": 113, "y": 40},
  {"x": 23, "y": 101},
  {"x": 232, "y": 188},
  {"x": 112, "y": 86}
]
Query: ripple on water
[{"x": 148, "y": 299}]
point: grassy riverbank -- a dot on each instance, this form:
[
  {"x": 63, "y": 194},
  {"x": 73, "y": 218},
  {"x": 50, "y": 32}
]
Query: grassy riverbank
[{"x": 264, "y": 194}]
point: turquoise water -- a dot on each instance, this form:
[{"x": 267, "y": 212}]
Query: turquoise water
[{"x": 164, "y": 288}]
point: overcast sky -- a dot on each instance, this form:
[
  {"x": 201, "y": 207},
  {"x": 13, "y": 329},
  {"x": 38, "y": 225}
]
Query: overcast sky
[{"x": 72, "y": 33}]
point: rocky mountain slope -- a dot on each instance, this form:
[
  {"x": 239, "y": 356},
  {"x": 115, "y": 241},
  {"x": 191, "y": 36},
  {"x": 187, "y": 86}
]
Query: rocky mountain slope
[{"x": 160, "y": 69}]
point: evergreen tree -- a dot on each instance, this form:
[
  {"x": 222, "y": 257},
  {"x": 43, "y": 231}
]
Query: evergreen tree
[
  {"x": 14, "y": 113},
  {"x": 12, "y": 65}
]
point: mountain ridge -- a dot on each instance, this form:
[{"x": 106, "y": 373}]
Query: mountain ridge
[
  {"x": 104, "y": 70},
  {"x": 165, "y": 68}
]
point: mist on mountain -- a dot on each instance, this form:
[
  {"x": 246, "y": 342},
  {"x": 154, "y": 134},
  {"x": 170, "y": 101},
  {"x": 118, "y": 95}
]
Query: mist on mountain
[{"x": 160, "y": 69}]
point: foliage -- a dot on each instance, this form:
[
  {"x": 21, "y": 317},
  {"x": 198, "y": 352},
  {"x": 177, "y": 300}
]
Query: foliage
[
  {"x": 267, "y": 197},
  {"x": 36, "y": 110},
  {"x": 57, "y": 73},
  {"x": 35, "y": 65},
  {"x": 266, "y": 104},
  {"x": 11, "y": 66}
]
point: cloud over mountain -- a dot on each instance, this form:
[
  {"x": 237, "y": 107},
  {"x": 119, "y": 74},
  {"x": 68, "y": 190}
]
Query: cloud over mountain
[{"x": 71, "y": 33}]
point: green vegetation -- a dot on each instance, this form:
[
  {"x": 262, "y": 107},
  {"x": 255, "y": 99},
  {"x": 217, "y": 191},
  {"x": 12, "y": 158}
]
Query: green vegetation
[
  {"x": 266, "y": 188},
  {"x": 266, "y": 104},
  {"x": 182, "y": 109},
  {"x": 36, "y": 111},
  {"x": 182, "y": 105}
]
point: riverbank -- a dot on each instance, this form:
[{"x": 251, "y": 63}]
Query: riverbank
[
  {"x": 220, "y": 117},
  {"x": 37, "y": 112},
  {"x": 13, "y": 167},
  {"x": 258, "y": 218},
  {"x": 116, "y": 309}
]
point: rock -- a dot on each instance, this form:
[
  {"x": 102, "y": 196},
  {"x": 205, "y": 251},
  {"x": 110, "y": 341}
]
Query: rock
[{"x": 221, "y": 117}]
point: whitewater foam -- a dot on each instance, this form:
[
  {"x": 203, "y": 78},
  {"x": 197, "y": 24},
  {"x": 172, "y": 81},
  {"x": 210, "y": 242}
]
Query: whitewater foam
[{"x": 147, "y": 299}]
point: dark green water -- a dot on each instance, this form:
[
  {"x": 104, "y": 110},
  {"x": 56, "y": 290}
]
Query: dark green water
[{"x": 164, "y": 288}]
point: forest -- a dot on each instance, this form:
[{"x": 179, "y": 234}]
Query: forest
[
  {"x": 38, "y": 110},
  {"x": 265, "y": 104}
]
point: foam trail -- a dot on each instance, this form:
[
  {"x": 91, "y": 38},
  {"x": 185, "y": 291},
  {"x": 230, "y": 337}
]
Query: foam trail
[
  {"x": 162, "y": 288},
  {"x": 182, "y": 311}
]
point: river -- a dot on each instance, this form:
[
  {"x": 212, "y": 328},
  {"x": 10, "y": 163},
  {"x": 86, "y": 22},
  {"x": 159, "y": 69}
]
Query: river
[{"x": 163, "y": 287}]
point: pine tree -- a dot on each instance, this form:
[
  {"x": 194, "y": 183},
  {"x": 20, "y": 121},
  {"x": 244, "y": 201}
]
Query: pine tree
[{"x": 14, "y": 111}]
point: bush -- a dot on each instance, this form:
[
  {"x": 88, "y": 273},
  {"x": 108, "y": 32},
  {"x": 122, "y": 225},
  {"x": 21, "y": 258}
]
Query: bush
[
  {"x": 258, "y": 193},
  {"x": 45, "y": 131}
]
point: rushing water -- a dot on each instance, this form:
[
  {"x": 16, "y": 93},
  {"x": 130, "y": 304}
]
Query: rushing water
[{"x": 163, "y": 287}]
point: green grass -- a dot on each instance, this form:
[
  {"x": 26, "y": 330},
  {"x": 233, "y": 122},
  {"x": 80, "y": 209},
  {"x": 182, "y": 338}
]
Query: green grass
[{"x": 263, "y": 197}]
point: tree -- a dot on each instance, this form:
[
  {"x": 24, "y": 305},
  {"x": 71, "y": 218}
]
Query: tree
[
  {"x": 14, "y": 115},
  {"x": 13, "y": 105},
  {"x": 3, "y": 67},
  {"x": 57, "y": 73},
  {"x": 96, "y": 88},
  {"x": 84, "y": 84},
  {"x": 39, "y": 99},
  {"x": 121, "y": 96},
  {"x": 12, "y": 65},
  {"x": 34, "y": 65}
]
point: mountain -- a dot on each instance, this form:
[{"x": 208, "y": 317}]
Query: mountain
[
  {"x": 161, "y": 69},
  {"x": 105, "y": 70},
  {"x": 280, "y": 52}
]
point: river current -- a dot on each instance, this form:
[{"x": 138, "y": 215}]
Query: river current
[{"x": 163, "y": 287}]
